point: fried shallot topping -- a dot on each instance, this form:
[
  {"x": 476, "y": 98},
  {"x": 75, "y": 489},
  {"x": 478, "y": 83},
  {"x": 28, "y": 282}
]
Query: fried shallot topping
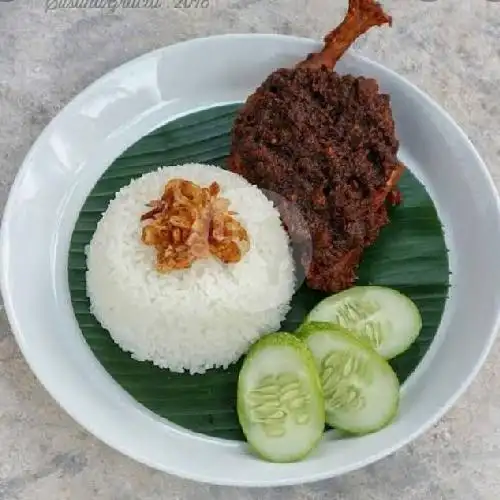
[{"x": 190, "y": 222}]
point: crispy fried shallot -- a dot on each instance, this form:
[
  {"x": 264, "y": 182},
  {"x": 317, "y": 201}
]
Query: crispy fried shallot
[{"x": 190, "y": 222}]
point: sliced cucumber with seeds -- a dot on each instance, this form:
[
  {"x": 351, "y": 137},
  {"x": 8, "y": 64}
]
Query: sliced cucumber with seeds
[
  {"x": 280, "y": 402},
  {"x": 361, "y": 391},
  {"x": 382, "y": 317}
]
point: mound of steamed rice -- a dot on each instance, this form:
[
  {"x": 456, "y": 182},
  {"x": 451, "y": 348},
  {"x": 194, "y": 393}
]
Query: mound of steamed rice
[{"x": 198, "y": 318}]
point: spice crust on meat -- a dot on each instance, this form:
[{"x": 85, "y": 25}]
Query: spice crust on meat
[{"x": 327, "y": 143}]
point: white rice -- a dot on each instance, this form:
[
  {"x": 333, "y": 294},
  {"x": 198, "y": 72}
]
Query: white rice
[{"x": 195, "y": 319}]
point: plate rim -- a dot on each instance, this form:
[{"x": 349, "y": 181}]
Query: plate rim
[{"x": 9, "y": 306}]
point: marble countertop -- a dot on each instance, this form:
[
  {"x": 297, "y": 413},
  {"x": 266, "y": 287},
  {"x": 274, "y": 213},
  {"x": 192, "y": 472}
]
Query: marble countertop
[{"x": 48, "y": 54}]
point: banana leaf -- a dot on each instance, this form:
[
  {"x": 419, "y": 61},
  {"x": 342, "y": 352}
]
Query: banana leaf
[{"x": 410, "y": 255}]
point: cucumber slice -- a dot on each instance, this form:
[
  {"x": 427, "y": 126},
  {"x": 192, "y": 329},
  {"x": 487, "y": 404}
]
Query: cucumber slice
[
  {"x": 383, "y": 318},
  {"x": 280, "y": 403},
  {"x": 361, "y": 391}
]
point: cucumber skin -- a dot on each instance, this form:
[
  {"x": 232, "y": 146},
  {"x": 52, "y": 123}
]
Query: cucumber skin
[
  {"x": 307, "y": 326},
  {"x": 289, "y": 340},
  {"x": 313, "y": 326},
  {"x": 308, "y": 329},
  {"x": 416, "y": 312}
]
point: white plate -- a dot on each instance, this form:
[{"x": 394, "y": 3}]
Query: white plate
[{"x": 126, "y": 104}]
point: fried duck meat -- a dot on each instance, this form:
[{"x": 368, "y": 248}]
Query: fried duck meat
[{"x": 325, "y": 143}]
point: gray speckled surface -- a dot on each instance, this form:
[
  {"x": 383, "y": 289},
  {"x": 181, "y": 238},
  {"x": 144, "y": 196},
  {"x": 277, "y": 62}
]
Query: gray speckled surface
[{"x": 449, "y": 48}]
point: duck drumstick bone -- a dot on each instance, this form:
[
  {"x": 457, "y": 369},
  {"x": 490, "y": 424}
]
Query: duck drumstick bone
[{"x": 361, "y": 16}]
